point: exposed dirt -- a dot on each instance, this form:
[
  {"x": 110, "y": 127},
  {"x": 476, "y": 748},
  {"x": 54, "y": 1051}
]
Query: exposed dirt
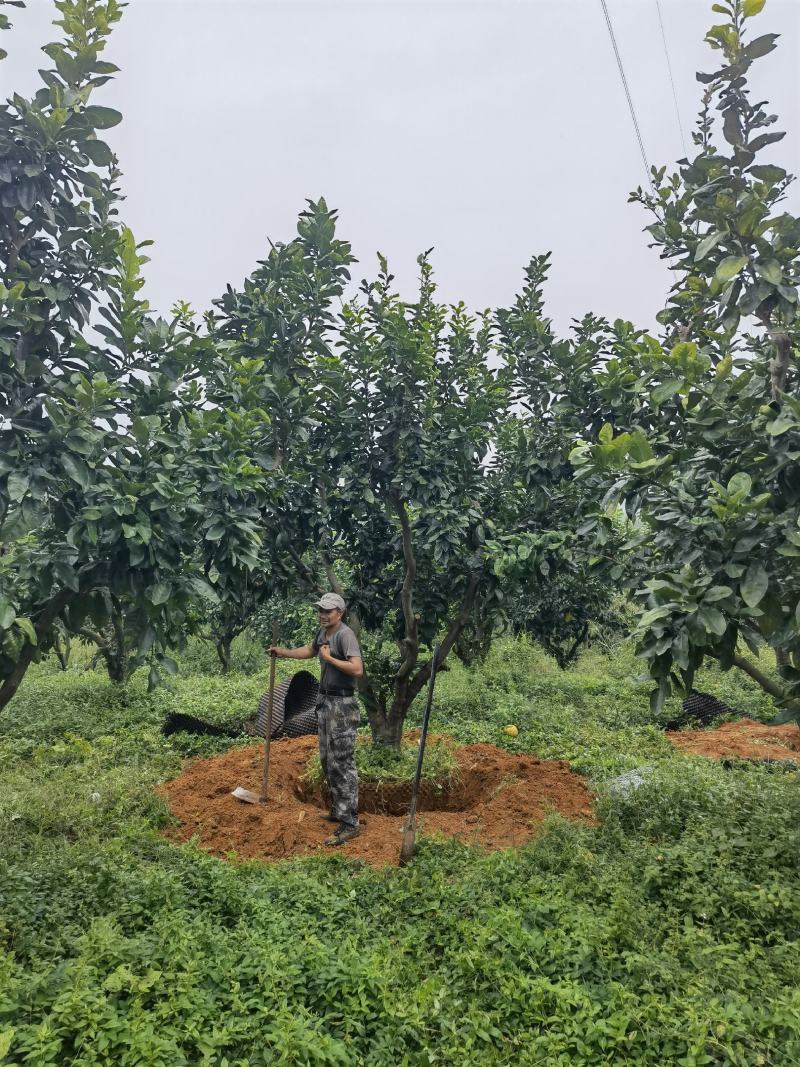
[
  {"x": 744, "y": 739},
  {"x": 497, "y": 803}
]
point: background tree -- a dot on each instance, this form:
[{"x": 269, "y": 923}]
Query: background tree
[
  {"x": 262, "y": 405},
  {"x": 101, "y": 489},
  {"x": 717, "y": 487}
]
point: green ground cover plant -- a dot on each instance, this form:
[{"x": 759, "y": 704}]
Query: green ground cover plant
[{"x": 668, "y": 933}]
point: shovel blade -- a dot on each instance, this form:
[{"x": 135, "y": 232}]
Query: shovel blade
[
  {"x": 244, "y": 794},
  {"x": 408, "y": 845}
]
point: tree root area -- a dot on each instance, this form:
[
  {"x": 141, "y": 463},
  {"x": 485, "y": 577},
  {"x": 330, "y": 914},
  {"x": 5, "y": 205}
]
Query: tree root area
[
  {"x": 743, "y": 739},
  {"x": 496, "y": 802}
]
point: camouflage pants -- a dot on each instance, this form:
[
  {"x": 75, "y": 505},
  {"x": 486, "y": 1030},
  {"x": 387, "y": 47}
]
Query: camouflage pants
[{"x": 338, "y": 719}]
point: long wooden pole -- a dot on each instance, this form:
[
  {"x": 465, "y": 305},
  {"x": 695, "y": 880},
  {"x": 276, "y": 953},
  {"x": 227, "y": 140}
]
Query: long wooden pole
[{"x": 268, "y": 732}]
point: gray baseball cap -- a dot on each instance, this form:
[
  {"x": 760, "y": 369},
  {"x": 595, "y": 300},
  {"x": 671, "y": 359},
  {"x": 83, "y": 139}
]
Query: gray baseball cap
[{"x": 329, "y": 601}]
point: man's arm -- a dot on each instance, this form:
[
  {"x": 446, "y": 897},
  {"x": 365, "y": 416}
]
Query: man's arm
[
  {"x": 306, "y": 652},
  {"x": 353, "y": 665}
]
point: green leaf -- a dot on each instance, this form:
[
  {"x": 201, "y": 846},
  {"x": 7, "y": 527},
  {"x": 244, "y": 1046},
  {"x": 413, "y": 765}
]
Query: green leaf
[
  {"x": 65, "y": 573},
  {"x": 725, "y": 366},
  {"x": 761, "y": 46},
  {"x": 639, "y": 448},
  {"x": 26, "y": 194},
  {"x": 158, "y": 593},
  {"x": 752, "y": 7},
  {"x": 754, "y": 585},
  {"x": 7, "y": 1036},
  {"x": 709, "y": 242},
  {"x": 717, "y": 592},
  {"x": 712, "y": 620},
  {"x": 101, "y": 118},
  {"x": 667, "y": 389},
  {"x": 99, "y": 152},
  {"x": 169, "y": 665},
  {"x": 76, "y": 469},
  {"x": 780, "y": 425},
  {"x": 27, "y": 628},
  {"x": 17, "y": 485},
  {"x": 732, "y": 127},
  {"x": 657, "y": 698},
  {"x": 730, "y": 267},
  {"x": 767, "y": 172},
  {"x": 146, "y": 640},
  {"x": 204, "y": 589},
  {"x": 7, "y": 614},
  {"x": 770, "y": 271},
  {"x": 216, "y": 532},
  {"x": 740, "y": 485}
]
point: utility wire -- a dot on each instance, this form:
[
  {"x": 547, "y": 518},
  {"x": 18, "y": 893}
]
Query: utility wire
[
  {"x": 671, "y": 78},
  {"x": 628, "y": 96}
]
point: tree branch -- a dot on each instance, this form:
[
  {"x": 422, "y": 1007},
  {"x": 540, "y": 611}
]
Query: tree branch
[
  {"x": 305, "y": 574},
  {"x": 46, "y": 618},
  {"x": 450, "y": 638},
  {"x": 410, "y": 643},
  {"x": 767, "y": 684},
  {"x": 780, "y": 364}
]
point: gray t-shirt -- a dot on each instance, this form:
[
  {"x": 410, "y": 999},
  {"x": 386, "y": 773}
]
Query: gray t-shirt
[{"x": 343, "y": 645}]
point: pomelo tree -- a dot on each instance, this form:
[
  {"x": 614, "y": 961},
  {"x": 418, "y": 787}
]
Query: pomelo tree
[
  {"x": 703, "y": 442},
  {"x": 103, "y": 494}
]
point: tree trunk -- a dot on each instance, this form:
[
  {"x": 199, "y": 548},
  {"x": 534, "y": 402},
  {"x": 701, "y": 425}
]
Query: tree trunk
[
  {"x": 47, "y": 617},
  {"x": 387, "y": 730},
  {"x": 783, "y": 663}
]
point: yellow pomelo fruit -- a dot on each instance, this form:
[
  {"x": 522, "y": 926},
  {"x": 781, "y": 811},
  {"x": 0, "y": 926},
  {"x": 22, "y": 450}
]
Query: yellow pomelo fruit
[{"x": 511, "y": 730}]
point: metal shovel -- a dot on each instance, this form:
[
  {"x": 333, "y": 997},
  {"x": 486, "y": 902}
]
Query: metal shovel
[
  {"x": 246, "y": 794},
  {"x": 410, "y": 829}
]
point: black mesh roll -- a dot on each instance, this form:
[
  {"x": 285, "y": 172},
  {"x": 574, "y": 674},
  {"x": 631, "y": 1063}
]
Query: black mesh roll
[{"x": 293, "y": 700}]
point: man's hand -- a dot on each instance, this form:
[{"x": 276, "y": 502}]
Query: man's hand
[
  {"x": 275, "y": 650},
  {"x": 325, "y": 652}
]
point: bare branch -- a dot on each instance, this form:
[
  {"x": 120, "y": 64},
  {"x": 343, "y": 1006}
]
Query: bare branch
[{"x": 767, "y": 684}]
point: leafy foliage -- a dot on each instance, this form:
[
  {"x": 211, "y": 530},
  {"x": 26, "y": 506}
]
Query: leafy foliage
[{"x": 701, "y": 440}]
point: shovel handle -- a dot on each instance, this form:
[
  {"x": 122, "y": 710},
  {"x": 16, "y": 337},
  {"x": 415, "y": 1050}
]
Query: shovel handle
[
  {"x": 270, "y": 702},
  {"x": 423, "y": 737}
]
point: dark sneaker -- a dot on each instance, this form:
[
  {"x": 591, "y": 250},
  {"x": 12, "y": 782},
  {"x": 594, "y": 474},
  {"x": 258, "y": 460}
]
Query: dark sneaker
[{"x": 343, "y": 835}]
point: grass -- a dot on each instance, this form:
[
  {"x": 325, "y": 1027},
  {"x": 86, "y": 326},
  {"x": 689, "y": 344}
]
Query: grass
[{"x": 669, "y": 933}]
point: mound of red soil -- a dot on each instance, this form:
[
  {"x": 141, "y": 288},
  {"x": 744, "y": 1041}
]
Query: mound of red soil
[
  {"x": 744, "y": 739},
  {"x": 497, "y": 803}
]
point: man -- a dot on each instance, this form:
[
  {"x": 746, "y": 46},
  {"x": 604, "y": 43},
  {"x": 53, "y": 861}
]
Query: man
[{"x": 338, "y": 713}]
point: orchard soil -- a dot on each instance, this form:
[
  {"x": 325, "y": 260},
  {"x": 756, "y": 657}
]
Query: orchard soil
[
  {"x": 743, "y": 739},
  {"x": 497, "y": 801}
]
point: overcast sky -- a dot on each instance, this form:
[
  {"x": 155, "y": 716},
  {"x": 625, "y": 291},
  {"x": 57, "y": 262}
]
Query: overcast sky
[{"x": 489, "y": 129}]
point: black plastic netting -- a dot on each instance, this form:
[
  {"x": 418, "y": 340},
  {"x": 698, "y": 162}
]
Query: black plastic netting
[
  {"x": 700, "y": 708},
  {"x": 293, "y": 713}
]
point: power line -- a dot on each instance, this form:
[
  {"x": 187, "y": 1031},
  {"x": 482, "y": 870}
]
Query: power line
[
  {"x": 628, "y": 96},
  {"x": 671, "y": 79}
]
